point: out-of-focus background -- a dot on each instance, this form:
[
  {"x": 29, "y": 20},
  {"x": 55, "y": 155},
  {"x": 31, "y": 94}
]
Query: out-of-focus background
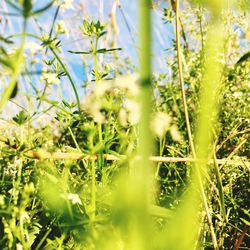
[{"x": 121, "y": 19}]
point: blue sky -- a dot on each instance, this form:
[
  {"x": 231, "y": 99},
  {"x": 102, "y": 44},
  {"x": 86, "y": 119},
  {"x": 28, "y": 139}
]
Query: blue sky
[{"x": 127, "y": 16}]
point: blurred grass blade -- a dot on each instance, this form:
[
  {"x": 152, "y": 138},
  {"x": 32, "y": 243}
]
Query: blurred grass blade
[
  {"x": 13, "y": 5},
  {"x": 244, "y": 58},
  {"x": 187, "y": 217},
  {"x": 16, "y": 65},
  {"x": 43, "y": 9},
  {"x": 220, "y": 189}
]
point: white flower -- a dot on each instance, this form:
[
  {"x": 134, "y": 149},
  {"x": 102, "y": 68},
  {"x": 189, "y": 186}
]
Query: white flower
[
  {"x": 175, "y": 133},
  {"x": 61, "y": 28},
  {"x": 102, "y": 87},
  {"x": 161, "y": 123},
  {"x": 74, "y": 198},
  {"x": 19, "y": 246},
  {"x": 129, "y": 83},
  {"x": 65, "y": 4},
  {"x": 133, "y": 111},
  {"x": 237, "y": 94},
  {"x": 93, "y": 106},
  {"x": 50, "y": 78},
  {"x": 123, "y": 117},
  {"x": 2, "y": 202},
  {"x": 24, "y": 216},
  {"x": 32, "y": 47}
]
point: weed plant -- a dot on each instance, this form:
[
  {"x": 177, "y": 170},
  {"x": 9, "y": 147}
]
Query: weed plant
[{"x": 143, "y": 161}]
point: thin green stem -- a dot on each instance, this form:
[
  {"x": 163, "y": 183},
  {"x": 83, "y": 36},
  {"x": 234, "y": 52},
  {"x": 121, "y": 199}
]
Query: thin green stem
[
  {"x": 181, "y": 79},
  {"x": 77, "y": 146},
  {"x": 17, "y": 67},
  {"x": 142, "y": 178},
  {"x": 207, "y": 116},
  {"x": 220, "y": 188},
  {"x": 69, "y": 77},
  {"x": 60, "y": 62},
  {"x": 93, "y": 190},
  {"x": 94, "y": 49},
  {"x": 93, "y": 183}
]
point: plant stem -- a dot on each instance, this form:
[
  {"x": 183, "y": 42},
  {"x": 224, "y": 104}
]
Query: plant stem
[
  {"x": 69, "y": 77},
  {"x": 17, "y": 67},
  {"x": 95, "y": 48},
  {"x": 208, "y": 110},
  {"x": 93, "y": 183},
  {"x": 142, "y": 176},
  {"x": 185, "y": 107},
  {"x": 181, "y": 78},
  {"x": 93, "y": 190}
]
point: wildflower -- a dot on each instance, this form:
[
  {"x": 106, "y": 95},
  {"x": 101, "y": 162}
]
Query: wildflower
[
  {"x": 133, "y": 111},
  {"x": 61, "y": 28},
  {"x": 74, "y": 198},
  {"x": 50, "y": 78},
  {"x": 66, "y": 4},
  {"x": 237, "y": 94},
  {"x": 19, "y": 246},
  {"x": 24, "y": 216},
  {"x": 128, "y": 83},
  {"x": 102, "y": 88},
  {"x": 161, "y": 123},
  {"x": 93, "y": 107},
  {"x": 123, "y": 117},
  {"x": 2, "y": 200},
  {"x": 175, "y": 133},
  {"x": 12, "y": 168},
  {"x": 33, "y": 47}
]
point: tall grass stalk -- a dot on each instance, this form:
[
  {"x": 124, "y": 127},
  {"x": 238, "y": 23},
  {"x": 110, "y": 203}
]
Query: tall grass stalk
[
  {"x": 69, "y": 77},
  {"x": 181, "y": 77},
  {"x": 16, "y": 65},
  {"x": 188, "y": 214},
  {"x": 64, "y": 67},
  {"x": 94, "y": 43},
  {"x": 133, "y": 195},
  {"x": 145, "y": 140},
  {"x": 208, "y": 110}
]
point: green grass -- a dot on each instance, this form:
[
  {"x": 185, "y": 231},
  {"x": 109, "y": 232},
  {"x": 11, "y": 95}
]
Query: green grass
[{"x": 148, "y": 161}]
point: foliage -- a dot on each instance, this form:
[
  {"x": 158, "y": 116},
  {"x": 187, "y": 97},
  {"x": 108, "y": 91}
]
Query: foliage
[{"x": 78, "y": 182}]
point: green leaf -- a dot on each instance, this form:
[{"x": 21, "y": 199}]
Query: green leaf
[
  {"x": 20, "y": 118},
  {"x": 6, "y": 40},
  {"x": 245, "y": 221},
  {"x": 160, "y": 211},
  {"x": 101, "y": 34},
  {"x": 6, "y": 63},
  {"x": 103, "y": 51},
  {"x": 13, "y": 5},
  {"x": 43, "y": 9},
  {"x": 14, "y": 91},
  {"x": 81, "y": 52},
  {"x": 244, "y": 58},
  {"x": 27, "y": 8}
]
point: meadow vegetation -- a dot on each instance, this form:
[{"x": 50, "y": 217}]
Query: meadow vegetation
[{"x": 145, "y": 159}]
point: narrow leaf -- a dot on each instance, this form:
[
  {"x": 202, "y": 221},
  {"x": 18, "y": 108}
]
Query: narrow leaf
[
  {"x": 245, "y": 57},
  {"x": 80, "y": 52},
  {"x": 41, "y": 10}
]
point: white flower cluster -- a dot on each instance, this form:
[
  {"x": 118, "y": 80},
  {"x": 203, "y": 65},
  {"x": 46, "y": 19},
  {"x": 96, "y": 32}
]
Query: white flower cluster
[
  {"x": 163, "y": 123},
  {"x": 50, "y": 78},
  {"x": 33, "y": 47},
  {"x": 61, "y": 28},
  {"x": 123, "y": 92},
  {"x": 65, "y": 4},
  {"x": 12, "y": 168},
  {"x": 75, "y": 199}
]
